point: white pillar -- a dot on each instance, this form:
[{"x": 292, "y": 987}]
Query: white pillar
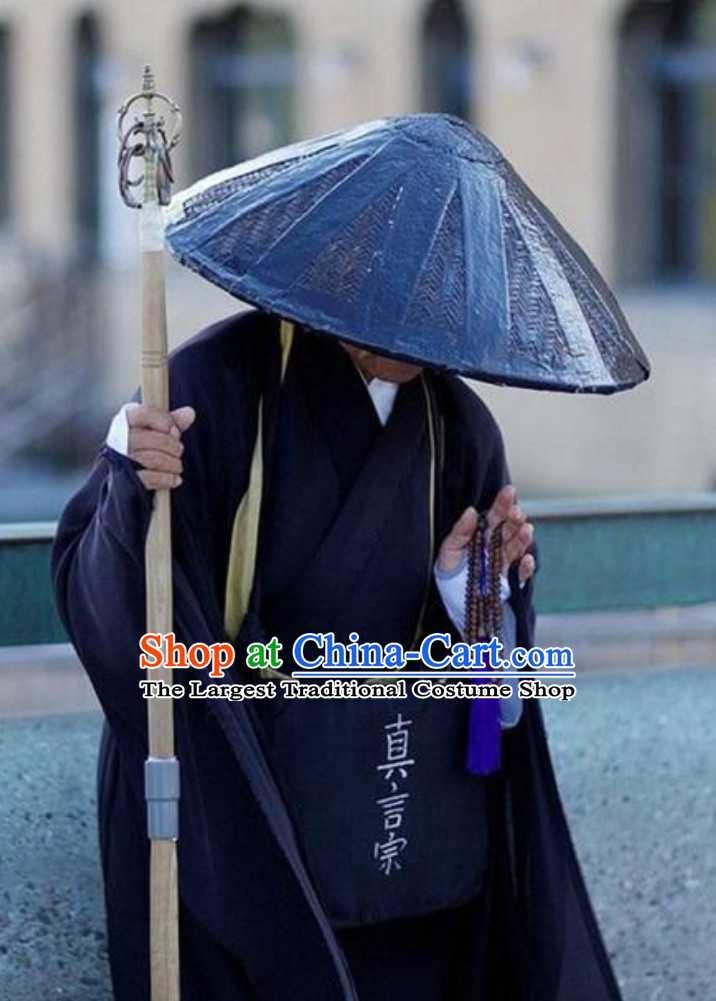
[
  {"x": 45, "y": 157},
  {"x": 547, "y": 101},
  {"x": 358, "y": 62}
]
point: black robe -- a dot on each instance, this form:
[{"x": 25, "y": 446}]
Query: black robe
[{"x": 252, "y": 924}]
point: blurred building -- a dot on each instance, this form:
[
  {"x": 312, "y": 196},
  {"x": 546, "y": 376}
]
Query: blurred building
[{"x": 607, "y": 108}]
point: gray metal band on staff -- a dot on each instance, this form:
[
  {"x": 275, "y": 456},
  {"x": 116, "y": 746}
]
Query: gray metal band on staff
[{"x": 161, "y": 792}]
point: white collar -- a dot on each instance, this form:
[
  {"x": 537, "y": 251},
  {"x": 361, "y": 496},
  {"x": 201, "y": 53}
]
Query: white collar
[{"x": 383, "y": 395}]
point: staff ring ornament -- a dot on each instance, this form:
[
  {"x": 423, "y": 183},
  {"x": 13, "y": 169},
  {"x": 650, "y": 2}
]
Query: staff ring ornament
[{"x": 145, "y": 143}]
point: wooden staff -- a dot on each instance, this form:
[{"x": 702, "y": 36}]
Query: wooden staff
[{"x": 145, "y": 146}]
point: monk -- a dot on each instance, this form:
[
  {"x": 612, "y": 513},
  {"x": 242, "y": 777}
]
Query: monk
[{"x": 339, "y": 850}]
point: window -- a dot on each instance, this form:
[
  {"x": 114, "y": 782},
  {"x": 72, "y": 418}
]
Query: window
[
  {"x": 446, "y": 61},
  {"x": 243, "y": 78},
  {"x": 6, "y": 99},
  {"x": 667, "y": 142},
  {"x": 87, "y": 108}
]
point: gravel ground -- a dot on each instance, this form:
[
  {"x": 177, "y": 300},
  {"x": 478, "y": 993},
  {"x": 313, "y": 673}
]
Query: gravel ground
[
  {"x": 635, "y": 758},
  {"x": 52, "y": 942}
]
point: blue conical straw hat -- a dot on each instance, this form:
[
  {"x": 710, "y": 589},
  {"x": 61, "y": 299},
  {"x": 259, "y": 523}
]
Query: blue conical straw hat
[{"x": 411, "y": 236}]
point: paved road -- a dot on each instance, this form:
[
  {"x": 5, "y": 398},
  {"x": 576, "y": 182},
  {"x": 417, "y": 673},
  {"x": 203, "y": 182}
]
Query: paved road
[{"x": 636, "y": 756}]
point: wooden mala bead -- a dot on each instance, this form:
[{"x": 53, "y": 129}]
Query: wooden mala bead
[{"x": 483, "y": 607}]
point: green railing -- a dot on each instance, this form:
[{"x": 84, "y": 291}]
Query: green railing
[
  {"x": 625, "y": 552},
  {"x": 611, "y": 553},
  {"x": 27, "y": 611}
]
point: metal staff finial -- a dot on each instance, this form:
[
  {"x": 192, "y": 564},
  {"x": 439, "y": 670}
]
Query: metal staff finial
[{"x": 149, "y": 138}]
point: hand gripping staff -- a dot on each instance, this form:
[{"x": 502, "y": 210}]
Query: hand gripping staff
[{"x": 145, "y": 176}]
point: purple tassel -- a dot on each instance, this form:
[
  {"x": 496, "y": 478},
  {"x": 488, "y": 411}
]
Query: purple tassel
[{"x": 484, "y": 730}]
